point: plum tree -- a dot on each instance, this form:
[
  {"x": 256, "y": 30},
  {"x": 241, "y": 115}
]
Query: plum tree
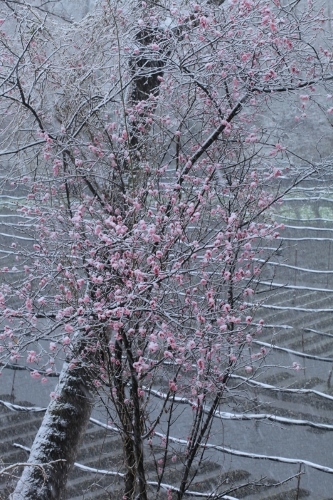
[{"x": 148, "y": 182}]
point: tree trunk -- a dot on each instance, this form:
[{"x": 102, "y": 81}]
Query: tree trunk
[{"x": 58, "y": 438}]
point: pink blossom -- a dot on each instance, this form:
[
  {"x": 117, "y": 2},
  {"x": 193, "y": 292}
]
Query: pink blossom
[
  {"x": 246, "y": 56},
  {"x": 31, "y": 358},
  {"x": 201, "y": 364},
  {"x": 204, "y": 22},
  {"x": 191, "y": 345},
  {"x": 35, "y": 374},
  {"x": 28, "y": 304},
  {"x": 153, "y": 346},
  {"x": 172, "y": 386},
  {"x": 15, "y": 356}
]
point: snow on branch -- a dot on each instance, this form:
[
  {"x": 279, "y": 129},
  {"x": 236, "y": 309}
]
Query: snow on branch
[
  {"x": 280, "y": 264},
  {"x": 287, "y": 308},
  {"x": 272, "y": 418},
  {"x": 274, "y": 388},
  {"x": 291, "y": 351},
  {"x": 167, "y": 487},
  {"x": 150, "y": 483},
  {"x": 248, "y": 416},
  {"x": 308, "y": 228},
  {"x": 98, "y": 471},
  {"x": 12, "y": 366},
  {"x": 294, "y": 287},
  {"x": 307, "y": 239},
  {"x": 105, "y": 426},
  {"x": 232, "y": 451},
  {"x": 309, "y": 198},
  {"x": 289, "y": 327},
  {"x": 270, "y": 325},
  {"x": 239, "y": 453},
  {"x": 22, "y": 148},
  {"x": 6, "y": 470},
  {"x": 16, "y": 237},
  {"x": 312, "y": 330},
  {"x": 312, "y": 219},
  {"x": 31, "y": 409},
  {"x": 206, "y": 408}
]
